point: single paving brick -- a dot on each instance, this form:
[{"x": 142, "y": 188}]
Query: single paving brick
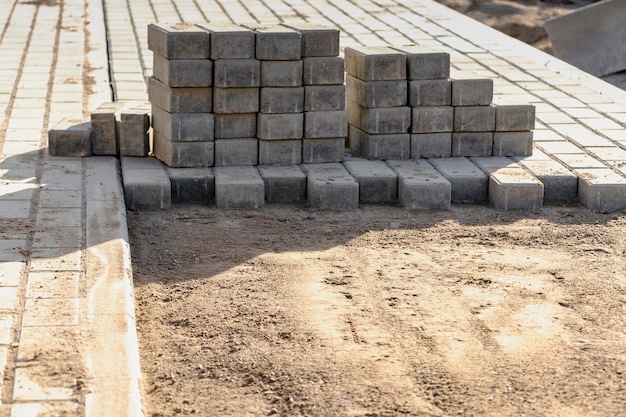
[
  {"x": 375, "y": 63},
  {"x": 377, "y": 182},
  {"x": 421, "y": 186},
  {"x": 192, "y": 185},
  {"x": 425, "y": 64},
  {"x": 70, "y": 138},
  {"x": 283, "y": 184},
  {"x": 179, "y": 41},
  {"x": 317, "y": 40}
]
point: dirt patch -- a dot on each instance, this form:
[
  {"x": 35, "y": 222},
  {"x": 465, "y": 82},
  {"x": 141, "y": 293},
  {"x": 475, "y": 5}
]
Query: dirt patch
[{"x": 381, "y": 312}]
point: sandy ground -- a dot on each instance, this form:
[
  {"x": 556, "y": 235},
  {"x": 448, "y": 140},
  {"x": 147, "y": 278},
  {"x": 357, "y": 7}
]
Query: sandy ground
[{"x": 381, "y": 312}]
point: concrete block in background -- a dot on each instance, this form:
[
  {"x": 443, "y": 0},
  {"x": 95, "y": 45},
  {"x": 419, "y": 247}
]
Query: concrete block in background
[
  {"x": 325, "y": 124},
  {"x": 469, "y": 183},
  {"x": 353, "y": 141},
  {"x": 134, "y": 130},
  {"x": 377, "y": 182},
  {"x": 375, "y": 63},
  {"x": 180, "y": 100},
  {"x": 179, "y": 41},
  {"x": 425, "y": 64},
  {"x": 280, "y": 126},
  {"x": 560, "y": 185},
  {"x": 230, "y": 41},
  {"x": 238, "y": 125},
  {"x": 237, "y": 73},
  {"x": 183, "y": 154},
  {"x": 239, "y": 187},
  {"x": 184, "y": 127},
  {"x": 430, "y": 93},
  {"x": 472, "y": 92},
  {"x": 70, "y": 138},
  {"x": 331, "y": 187},
  {"x": 323, "y": 70},
  {"x": 104, "y": 131},
  {"x": 431, "y": 145},
  {"x": 280, "y": 152},
  {"x": 317, "y": 40},
  {"x": 421, "y": 186},
  {"x": 382, "y": 120},
  {"x": 324, "y": 97},
  {"x": 283, "y": 184},
  {"x": 474, "y": 119},
  {"x": 277, "y": 43},
  {"x": 318, "y": 151},
  {"x": 512, "y": 143},
  {"x": 183, "y": 72},
  {"x": 601, "y": 189},
  {"x": 515, "y": 118},
  {"x": 146, "y": 184},
  {"x": 235, "y": 100},
  {"x": 386, "y": 146},
  {"x": 236, "y": 152},
  {"x": 432, "y": 119},
  {"x": 472, "y": 144},
  {"x": 376, "y": 93},
  {"x": 281, "y": 100},
  {"x": 281, "y": 73},
  {"x": 192, "y": 185}
]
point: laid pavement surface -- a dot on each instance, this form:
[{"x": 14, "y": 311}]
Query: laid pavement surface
[{"x": 68, "y": 344}]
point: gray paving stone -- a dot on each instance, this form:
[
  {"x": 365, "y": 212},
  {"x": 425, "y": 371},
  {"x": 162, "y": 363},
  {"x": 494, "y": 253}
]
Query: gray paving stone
[
  {"x": 469, "y": 183},
  {"x": 230, "y": 41},
  {"x": 601, "y": 189},
  {"x": 426, "y": 64},
  {"x": 421, "y": 186},
  {"x": 231, "y": 126},
  {"x": 510, "y": 186},
  {"x": 280, "y": 126},
  {"x": 70, "y": 138},
  {"x": 318, "y": 151},
  {"x": 239, "y": 187},
  {"x": 324, "y": 97},
  {"x": 377, "y": 182},
  {"x": 474, "y": 118},
  {"x": 283, "y": 184},
  {"x": 382, "y": 146},
  {"x": 179, "y": 41},
  {"x": 515, "y": 118},
  {"x": 430, "y": 93},
  {"x": 512, "y": 143},
  {"x": 134, "y": 130},
  {"x": 277, "y": 43},
  {"x": 331, "y": 187},
  {"x": 323, "y": 70},
  {"x": 235, "y": 100},
  {"x": 372, "y": 94},
  {"x": 180, "y": 100},
  {"x": 103, "y": 125},
  {"x": 280, "y": 152},
  {"x": 146, "y": 188},
  {"x": 317, "y": 40},
  {"x": 281, "y": 100},
  {"x": 236, "y": 152},
  {"x": 375, "y": 63},
  {"x": 325, "y": 124},
  {"x": 183, "y": 127},
  {"x": 431, "y": 145},
  {"x": 183, "y": 154},
  {"x": 559, "y": 184},
  {"x": 383, "y": 120},
  {"x": 183, "y": 72},
  {"x": 281, "y": 73},
  {"x": 237, "y": 73},
  {"x": 472, "y": 92},
  {"x": 432, "y": 119},
  {"x": 192, "y": 185},
  {"x": 472, "y": 144}
]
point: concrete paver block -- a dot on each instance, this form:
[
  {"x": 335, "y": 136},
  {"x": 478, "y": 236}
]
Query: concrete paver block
[
  {"x": 239, "y": 187},
  {"x": 145, "y": 187},
  {"x": 183, "y": 72},
  {"x": 430, "y": 93},
  {"x": 331, "y": 187},
  {"x": 103, "y": 128},
  {"x": 431, "y": 145},
  {"x": 375, "y": 63},
  {"x": 474, "y": 118},
  {"x": 469, "y": 183},
  {"x": 377, "y": 182},
  {"x": 323, "y": 70},
  {"x": 277, "y": 43},
  {"x": 70, "y": 138},
  {"x": 280, "y": 126},
  {"x": 472, "y": 92},
  {"x": 324, "y": 97},
  {"x": 376, "y": 93},
  {"x": 184, "y": 127},
  {"x": 281, "y": 100},
  {"x": 134, "y": 130},
  {"x": 380, "y": 120},
  {"x": 318, "y": 151},
  {"x": 281, "y": 73},
  {"x": 237, "y": 73},
  {"x": 601, "y": 189},
  {"x": 238, "y": 125},
  {"x": 235, "y": 100},
  {"x": 236, "y": 152},
  {"x": 183, "y": 154},
  {"x": 559, "y": 184},
  {"x": 192, "y": 185},
  {"x": 515, "y": 118},
  {"x": 325, "y": 124},
  {"x": 381, "y": 146},
  {"x": 230, "y": 41},
  {"x": 426, "y": 64},
  {"x": 512, "y": 143},
  {"x": 280, "y": 152},
  {"x": 317, "y": 40},
  {"x": 283, "y": 184},
  {"x": 180, "y": 100},
  {"x": 432, "y": 119},
  {"x": 421, "y": 186},
  {"x": 179, "y": 41},
  {"x": 472, "y": 144}
]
